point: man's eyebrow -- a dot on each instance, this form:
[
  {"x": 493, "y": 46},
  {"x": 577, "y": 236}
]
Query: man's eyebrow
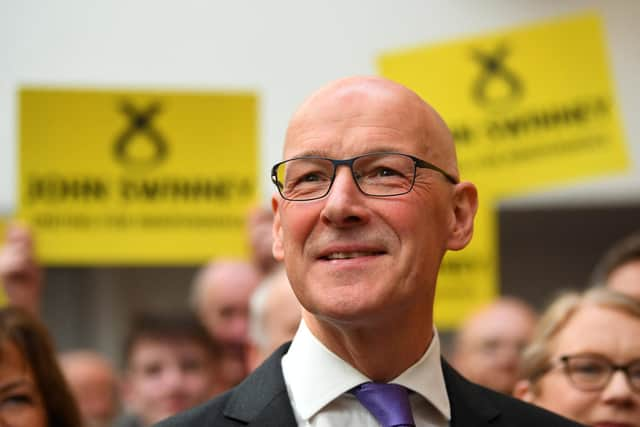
[
  {"x": 310, "y": 153},
  {"x": 385, "y": 149}
]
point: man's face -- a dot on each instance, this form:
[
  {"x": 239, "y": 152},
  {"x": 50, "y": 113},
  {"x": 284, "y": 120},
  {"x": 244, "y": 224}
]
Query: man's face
[
  {"x": 350, "y": 256},
  {"x": 93, "y": 384},
  {"x": 281, "y": 314},
  {"x": 597, "y": 331},
  {"x": 166, "y": 377},
  {"x": 224, "y": 309},
  {"x": 260, "y": 224},
  {"x": 490, "y": 347}
]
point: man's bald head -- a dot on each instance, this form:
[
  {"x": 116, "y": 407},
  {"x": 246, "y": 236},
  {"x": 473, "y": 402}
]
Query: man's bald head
[{"x": 331, "y": 101}]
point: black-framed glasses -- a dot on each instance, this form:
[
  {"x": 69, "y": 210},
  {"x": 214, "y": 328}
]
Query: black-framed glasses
[
  {"x": 590, "y": 372},
  {"x": 375, "y": 174}
]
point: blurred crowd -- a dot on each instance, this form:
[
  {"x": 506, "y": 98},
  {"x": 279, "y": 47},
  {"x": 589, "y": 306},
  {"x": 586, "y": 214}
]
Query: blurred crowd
[
  {"x": 240, "y": 312},
  {"x": 580, "y": 357}
]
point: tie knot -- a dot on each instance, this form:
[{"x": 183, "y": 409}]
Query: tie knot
[{"x": 388, "y": 403}]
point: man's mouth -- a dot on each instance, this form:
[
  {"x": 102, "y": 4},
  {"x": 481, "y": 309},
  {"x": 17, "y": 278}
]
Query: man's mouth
[{"x": 350, "y": 255}]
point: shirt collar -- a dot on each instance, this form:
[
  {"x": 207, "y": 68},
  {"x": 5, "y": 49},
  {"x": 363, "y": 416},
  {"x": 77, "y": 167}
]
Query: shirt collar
[{"x": 311, "y": 389}]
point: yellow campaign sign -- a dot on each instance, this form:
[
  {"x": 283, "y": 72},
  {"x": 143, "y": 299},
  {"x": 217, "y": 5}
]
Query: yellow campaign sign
[
  {"x": 136, "y": 177},
  {"x": 529, "y": 108}
]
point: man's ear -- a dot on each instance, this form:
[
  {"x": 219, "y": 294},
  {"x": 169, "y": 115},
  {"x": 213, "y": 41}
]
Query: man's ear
[
  {"x": 465, "y": 206},
  {"x": 277, "y": 249},
  {"x": 523, "y": 390}
]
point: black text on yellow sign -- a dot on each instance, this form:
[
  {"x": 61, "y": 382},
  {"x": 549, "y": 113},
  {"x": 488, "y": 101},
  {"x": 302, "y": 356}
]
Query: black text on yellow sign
[{"x": 132, "y": 177}]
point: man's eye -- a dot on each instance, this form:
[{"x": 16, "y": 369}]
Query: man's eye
[
  {"x": 191, "y": 365},
  {"x": 379, "y": 172},
  {"x": 227, "y": 312},
  {"x": 490, "y": 345},
  {"x": 152, "y": 370},
  {"x": 310, "y": 177},
  {"x": 382, "y": 172}
]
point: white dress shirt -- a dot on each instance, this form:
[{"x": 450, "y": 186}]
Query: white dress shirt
[{"x": 318, "y": 383}]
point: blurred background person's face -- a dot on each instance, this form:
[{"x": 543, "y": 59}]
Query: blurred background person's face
[
  {"x": 260, "y": 226},
  {"x": 223, "y": 304},
  {"x": 94, "y": 385},
  {"x": 275, "y": 317},
  {"x": 221, "y": 301},
  {"x": 21, "y": 402},
  {"x": 166, "y": 377},
  {"x": 281, "y": 317},
  {"x": 488, "y": 346},
  {"x": 596, "y": 331}
]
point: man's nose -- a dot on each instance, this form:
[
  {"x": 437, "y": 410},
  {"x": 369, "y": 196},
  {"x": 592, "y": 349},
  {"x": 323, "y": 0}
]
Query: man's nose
[
  {"x": 172, "y": 378},
  {"x": 344, "y": 205}
]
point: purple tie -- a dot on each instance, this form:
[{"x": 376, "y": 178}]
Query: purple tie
[{"x": 388, "y": 403}]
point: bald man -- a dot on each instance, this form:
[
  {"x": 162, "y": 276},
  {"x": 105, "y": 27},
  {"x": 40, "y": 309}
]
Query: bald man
[
  {"x": 368, "y": 200},
  {"x": 220, "y": 296},
  {"x": 488, "y": 346},
  {"x": 94, "y": 384}
]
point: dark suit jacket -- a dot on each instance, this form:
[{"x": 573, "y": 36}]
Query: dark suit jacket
[{"x": 262, "y": 400}]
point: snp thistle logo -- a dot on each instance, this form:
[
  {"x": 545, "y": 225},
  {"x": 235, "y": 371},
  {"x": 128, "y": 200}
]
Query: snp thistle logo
[
  {"x": 497, "y": 87},
  {"x": 140, "y": 144}
]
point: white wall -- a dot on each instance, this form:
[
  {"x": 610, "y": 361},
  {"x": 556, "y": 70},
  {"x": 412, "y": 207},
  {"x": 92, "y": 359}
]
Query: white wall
[{"x": 282, "y": 49}]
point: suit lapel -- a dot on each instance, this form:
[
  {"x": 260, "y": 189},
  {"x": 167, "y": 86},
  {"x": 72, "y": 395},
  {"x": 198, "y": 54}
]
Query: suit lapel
[
  {"x": 262, "y": 399},
  {"x": 469, "y": 407}
]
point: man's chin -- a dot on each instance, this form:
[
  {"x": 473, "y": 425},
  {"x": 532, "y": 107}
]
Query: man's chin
[{"x": 351, "y": 312}]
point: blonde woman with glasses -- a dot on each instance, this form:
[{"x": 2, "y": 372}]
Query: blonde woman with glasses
[{"x": 584, "y": 360}]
